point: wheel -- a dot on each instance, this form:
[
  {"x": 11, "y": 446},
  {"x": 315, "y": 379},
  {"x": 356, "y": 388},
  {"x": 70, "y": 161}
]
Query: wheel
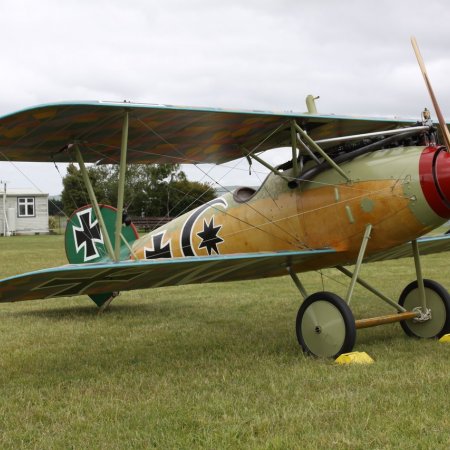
[
  {"x": 438, "y": 301},
  {"x": 325, "y": 325}
]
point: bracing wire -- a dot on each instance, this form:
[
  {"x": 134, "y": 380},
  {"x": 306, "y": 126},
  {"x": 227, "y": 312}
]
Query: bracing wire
[
  {"x": 32, "y": 182},
  {"x": 38, "y": 189},
  {"x": 294, "y": 243},
  {"x": 206, "y": 174},
  {"x": 363, "y": 192},
  {"x": 87, "y": 233},
  {"x": 251, "y": 226}
]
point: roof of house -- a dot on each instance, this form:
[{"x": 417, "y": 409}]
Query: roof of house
[{"x": 23, "y": 192}]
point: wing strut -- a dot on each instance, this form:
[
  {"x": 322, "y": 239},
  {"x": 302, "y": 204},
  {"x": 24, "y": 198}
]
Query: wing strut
[
  {"x": 121, "y": 188},
  {"x": 113, "y": 252}
]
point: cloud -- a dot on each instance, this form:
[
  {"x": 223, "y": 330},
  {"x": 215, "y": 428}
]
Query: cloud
[{"x": 262, "y": 54}]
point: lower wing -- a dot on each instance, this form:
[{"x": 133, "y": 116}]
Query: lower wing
[
  {"x": 97, "y": 278},
  {"x": 427, "y": 246}
]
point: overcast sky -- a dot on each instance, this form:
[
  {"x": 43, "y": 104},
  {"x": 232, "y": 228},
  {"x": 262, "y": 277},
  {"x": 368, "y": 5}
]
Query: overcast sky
[{"x": 248, "y": 54}]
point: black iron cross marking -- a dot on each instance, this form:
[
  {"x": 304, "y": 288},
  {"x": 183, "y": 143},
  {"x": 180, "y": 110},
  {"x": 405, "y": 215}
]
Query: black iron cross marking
[
  {"x": 87, "y": 235},
  {"x": 209, "y": 236},
  {"x": 158, "y": 250}
]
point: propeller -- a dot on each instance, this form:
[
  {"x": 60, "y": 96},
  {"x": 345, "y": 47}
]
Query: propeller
[{"x": 440, "y": 116}]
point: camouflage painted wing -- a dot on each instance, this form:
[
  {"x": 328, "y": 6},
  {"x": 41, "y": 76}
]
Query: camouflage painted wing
[
  {"x": 96, "y": 278},
  {"x": 163, "y": 133}
]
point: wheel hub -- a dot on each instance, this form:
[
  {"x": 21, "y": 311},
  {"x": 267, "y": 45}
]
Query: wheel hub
[{"x": 423, "y": 316}]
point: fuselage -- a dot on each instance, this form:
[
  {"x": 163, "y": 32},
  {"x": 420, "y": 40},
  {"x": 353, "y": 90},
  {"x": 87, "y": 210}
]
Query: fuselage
[{"x": 398, "y": 191}]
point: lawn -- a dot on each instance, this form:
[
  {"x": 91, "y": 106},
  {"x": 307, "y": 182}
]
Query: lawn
[{"x": 212, "y": 366}]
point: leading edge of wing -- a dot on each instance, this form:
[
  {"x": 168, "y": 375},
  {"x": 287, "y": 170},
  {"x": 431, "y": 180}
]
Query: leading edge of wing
[
  {"x": 96, "y": 278},
  {"x": 162, "y": 133},
  {"x": 123, "y": 106}
]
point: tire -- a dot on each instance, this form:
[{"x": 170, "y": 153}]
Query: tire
[
  {"x": 325, "y": 325},
  {"x": 438, "y": 301}
]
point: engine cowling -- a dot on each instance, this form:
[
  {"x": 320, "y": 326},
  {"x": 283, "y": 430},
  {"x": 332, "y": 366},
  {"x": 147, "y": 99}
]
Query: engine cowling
[{"x": 434, "y": 172}]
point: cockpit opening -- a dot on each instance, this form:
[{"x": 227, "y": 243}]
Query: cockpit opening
[{"x": 243, "y": 194}]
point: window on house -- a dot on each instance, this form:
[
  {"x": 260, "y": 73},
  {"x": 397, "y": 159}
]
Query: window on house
[{"x": 25, "y": 206}]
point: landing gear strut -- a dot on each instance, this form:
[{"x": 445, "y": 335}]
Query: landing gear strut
[{"x": 326, "y": 327}]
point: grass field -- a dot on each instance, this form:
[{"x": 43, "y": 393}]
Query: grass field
[{"x": 212, "y": 366}]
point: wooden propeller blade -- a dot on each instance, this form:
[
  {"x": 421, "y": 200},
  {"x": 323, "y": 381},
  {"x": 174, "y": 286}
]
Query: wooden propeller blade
[{"x": 440, "y": 116}]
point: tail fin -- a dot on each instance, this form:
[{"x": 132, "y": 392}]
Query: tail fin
[{"x": 84, "y": 240}]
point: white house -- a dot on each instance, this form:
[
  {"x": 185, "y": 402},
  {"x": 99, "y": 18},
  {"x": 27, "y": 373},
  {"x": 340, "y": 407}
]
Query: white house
[{"x": 23, "y": 211}]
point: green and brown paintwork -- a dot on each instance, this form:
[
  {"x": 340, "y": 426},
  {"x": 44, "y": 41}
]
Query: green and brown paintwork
[{"x": 402, "y": 192}]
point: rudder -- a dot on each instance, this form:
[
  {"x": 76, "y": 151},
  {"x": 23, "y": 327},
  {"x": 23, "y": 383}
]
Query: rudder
[{"x": 84, "y": 240}]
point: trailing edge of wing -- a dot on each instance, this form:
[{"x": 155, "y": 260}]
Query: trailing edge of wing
[
  {"x": 162, "y": 133},
  {"x": 97, "y": 278},
  {"x": 427, "y": 246}
]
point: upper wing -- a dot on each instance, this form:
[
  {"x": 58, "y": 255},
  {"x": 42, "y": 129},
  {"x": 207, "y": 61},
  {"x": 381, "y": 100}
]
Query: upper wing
[
  {"x": 161, "y": 133},
  {"x": 427, "y": 246},
  {"x": 106, "y": 277}
]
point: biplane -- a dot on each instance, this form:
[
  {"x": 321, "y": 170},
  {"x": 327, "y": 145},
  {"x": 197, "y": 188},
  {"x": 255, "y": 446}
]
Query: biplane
[{"x": 355, "y": 190}]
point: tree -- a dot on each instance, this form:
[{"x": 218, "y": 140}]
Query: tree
[
  {"x": 74, "y": 194},
  {"x": 55, "y": 207},
  {"x": 185, "y": 195},
  {"x": 150, "y": 190}
]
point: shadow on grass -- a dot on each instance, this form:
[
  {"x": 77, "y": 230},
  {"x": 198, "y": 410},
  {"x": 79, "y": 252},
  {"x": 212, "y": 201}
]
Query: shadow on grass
[
  {"x": 378, "y": 335},
  {"x": 91, "y": 310},
  {"x": 169, "y": 341},
  {"x": 56, "y": 313}
]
